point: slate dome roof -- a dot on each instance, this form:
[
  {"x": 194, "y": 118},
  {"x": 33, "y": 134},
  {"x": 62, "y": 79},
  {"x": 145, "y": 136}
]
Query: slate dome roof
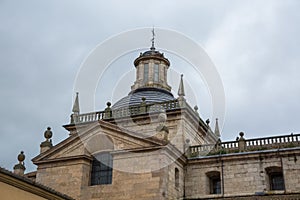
[
  {"x": 152, "y": 53},
  {"x": 152, "y": 95}
]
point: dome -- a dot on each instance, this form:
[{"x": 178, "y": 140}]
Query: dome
[
  {"x": 151, "y": 54},
  {"x": 152, "y": 95}
]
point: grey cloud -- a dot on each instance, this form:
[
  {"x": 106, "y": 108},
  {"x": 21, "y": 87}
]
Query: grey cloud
[{"x": 254, "y": 44}]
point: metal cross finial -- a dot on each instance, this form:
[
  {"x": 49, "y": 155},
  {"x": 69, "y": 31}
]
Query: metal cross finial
[{"x": 152, "y": 40}]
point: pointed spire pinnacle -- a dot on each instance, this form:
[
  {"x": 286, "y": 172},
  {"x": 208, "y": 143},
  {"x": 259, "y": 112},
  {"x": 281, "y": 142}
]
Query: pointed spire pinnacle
[
  {"x": 217, "y": 130},
  {"x": 181, "y": 87},
  {"x": 76, "y": 109},
  {"x": 152, "y": 40}
]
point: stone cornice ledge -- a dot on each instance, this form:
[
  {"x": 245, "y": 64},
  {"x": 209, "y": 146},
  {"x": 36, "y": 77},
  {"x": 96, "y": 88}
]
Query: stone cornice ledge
[{"x": 251, "y": 154}]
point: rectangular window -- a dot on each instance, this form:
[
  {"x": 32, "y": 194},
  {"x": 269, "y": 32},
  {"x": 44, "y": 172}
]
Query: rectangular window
[
  {"x": 176, "y": 178},
  {"x": 146, "y": 72},
  {"x": 215, "y": 185},
  {"x": 101, "y": 169},
  {"x": 156, "y": 72},
  {"x": 214, "y": 182},
  {"x": 276, "y": 181}
]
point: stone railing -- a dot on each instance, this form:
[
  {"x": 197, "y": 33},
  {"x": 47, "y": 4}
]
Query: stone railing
[
  {"x": 211, "y": 149},
  {"x": 110, "y": 113},
  {"x": 201, "y": 150},
  {"x": 246, "y": 145},
  {"x": 273, "y": 142},
  {"x": 89, "y": 117}
]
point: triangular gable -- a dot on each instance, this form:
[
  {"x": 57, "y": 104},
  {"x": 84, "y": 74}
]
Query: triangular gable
[{"x": 94, "y": 138}]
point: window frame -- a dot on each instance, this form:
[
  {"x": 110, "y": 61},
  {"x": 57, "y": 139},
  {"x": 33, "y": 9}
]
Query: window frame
[
  {"x": 101, "y": 169},
  {"x": 156, "y": 72},
  {"x": 176, "y": 176},
  {"x": 146, "y": 72},
  {"x": 275, "y": 178},
  {"x": 215, "y": 185},
  {"x": 214, "y": 179}
]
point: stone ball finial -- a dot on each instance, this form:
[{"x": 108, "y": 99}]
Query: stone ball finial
[
  {"x": 207, "y": 121},
  {"x": 48, "y": 133},
  {"x": 21, "y": 157},
  {"x": 196, "y": 108},
  {"x": 241, "y": 134},
  {"x": 108, "y": 104}
]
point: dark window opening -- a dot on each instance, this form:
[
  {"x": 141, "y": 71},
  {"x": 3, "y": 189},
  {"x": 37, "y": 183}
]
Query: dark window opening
[
  {"x": 215, "y": 187},
  {"x": 102, "y": 169},
  {"x": 176, "y": 178},
  {"x": 276, "y": 181},
  {"x": 214, "y": 182}
]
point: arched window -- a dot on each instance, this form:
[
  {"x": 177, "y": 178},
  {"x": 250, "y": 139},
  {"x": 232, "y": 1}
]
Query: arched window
[
  {"x": 102, "y": 169},
  {"x": 275, "y": 178},
  {"x": 176, "y": 178},
  {"x": 214, "y": 182}
]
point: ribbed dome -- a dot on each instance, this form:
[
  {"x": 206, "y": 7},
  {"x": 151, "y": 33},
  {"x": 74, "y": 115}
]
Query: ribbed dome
[
  {"x": 152, "y": 95},
  {"x": 151, "y": 54}
]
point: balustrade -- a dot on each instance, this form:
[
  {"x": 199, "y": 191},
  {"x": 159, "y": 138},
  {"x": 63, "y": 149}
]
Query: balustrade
[
  {"x": 126, "y": 112},
  {"x": 256, "y": 144}
]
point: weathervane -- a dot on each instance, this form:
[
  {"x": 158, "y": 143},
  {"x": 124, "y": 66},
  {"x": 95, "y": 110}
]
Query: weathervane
[{"x": 152, "y": 40}]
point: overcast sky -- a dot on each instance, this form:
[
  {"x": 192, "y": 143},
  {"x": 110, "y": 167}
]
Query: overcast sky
[{"x": 253, "y": 44}]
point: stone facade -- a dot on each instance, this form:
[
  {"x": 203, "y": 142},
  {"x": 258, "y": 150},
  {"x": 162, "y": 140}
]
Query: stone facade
[
  {"x": 163, "y": 150},
  {"x": 145, "y": 173},
  {"x": 148, "y": 168},
  {"x": 243, "y": 173}
]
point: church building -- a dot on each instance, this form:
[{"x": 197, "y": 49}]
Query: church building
[{"x": 152, "y": 145}]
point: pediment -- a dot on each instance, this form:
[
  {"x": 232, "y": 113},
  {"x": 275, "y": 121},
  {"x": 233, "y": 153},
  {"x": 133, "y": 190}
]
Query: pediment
[{"x": 97, "y": 137}]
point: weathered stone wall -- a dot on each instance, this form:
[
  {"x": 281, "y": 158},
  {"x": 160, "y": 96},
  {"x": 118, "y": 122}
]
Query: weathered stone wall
[
  {"x": 181, "y": 124},
  {"x": 175, "y": 191},
  {"x": 291, "y": 165},
  {"x": 65, "y": 176},
  {"x": 73, "y": 179},
  {"x": 144, "y": 174},
  {"x": 242, "y": 174},
  {"x": 125, "y": 186},
  {"x": 295, "y": 196}
]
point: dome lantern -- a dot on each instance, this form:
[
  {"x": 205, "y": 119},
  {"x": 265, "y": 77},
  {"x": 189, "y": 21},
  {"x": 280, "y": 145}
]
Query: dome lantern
[{"x": 151, "y": 69}]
